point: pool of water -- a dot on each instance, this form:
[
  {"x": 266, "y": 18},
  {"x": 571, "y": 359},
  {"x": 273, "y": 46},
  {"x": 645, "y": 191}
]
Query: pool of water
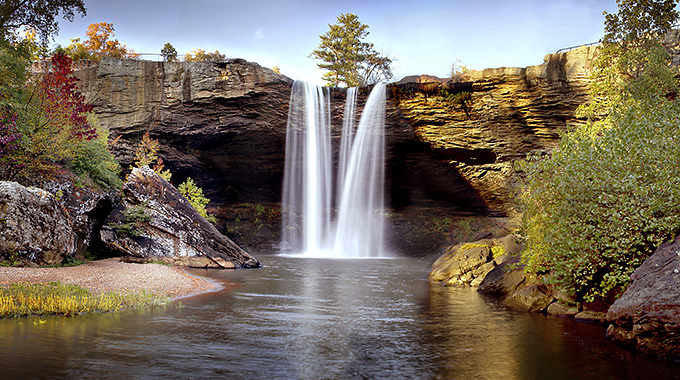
[{"x": 301, "y": 318}]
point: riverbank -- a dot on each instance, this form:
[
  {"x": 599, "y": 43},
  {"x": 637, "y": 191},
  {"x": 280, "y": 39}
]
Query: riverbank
[{"x": 107, "y": 275}]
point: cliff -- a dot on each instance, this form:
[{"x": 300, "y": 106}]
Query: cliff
[
  {"x": 508, "y": 113},
  {"x": 224, "y": 125}
]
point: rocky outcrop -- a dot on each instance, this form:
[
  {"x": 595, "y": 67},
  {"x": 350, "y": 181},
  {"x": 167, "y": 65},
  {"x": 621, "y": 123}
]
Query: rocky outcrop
[
  {"x": 647, "y": 316},
  {"x": 508, "y": 113},
  {"x": 156, "y": 223},
  {"x": 222, "y": 123},
  {"x": 468, "y": 264},
  {"x": 34, "y": 227}
]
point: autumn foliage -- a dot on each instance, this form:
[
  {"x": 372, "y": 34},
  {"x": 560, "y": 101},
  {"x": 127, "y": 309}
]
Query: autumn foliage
[{"x": 99, "y": 43}]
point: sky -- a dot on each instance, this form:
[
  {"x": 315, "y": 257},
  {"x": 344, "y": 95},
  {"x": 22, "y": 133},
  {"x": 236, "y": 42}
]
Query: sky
[{"x": 422, "y": 36}]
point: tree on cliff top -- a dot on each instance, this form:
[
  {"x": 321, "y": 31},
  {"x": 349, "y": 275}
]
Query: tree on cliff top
[
  {"x": 39, "y": 15},
  {"x": 609, "y": 195},
  {"x": 168, "y": 52},
  {"x": 99, "y": 43},
  {"x": 347, "y": 58}
]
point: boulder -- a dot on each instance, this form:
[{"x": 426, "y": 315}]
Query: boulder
[
  {"x": 647, "y": 316},
  {"x": 34, "y": 227},
  {"x": 504, "y": 279},
  {"x": 558, "y": 309},
  {"x": 466, "y": 264},
  {"x": 532, "y": 296},
  {"x": 156, "y": 223}
]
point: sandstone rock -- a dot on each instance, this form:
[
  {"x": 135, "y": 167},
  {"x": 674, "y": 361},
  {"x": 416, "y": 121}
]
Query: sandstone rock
[
  {"x": 590, "y": 316},
  {"x": 501, "y": 280},
  {"x": 512, "y": 112},
  {"x": 647, "y": 316},
  {"x": 530, "y": 297},
  {"x": 175, "y": 233},
  {"x": 225, "y": 123},
  {"x": 558, "y": 309},
  {"x": 467, "y": 264},
  {"x": 33, "y": 226}
]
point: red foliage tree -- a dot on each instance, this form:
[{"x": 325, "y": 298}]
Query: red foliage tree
[{"x": 63, "y": 105}]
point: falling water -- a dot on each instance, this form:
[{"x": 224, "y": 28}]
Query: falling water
[
  {"x": 307, "y": 192},
  {"x": 348, "y": 126}
]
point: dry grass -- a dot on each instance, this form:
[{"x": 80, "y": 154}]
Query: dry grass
[{"x": 55, "y": 298}]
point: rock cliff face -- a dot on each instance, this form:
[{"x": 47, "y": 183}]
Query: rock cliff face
[
  {"x": 509, "y": 113},
  {"x": 224, "y": 125}
]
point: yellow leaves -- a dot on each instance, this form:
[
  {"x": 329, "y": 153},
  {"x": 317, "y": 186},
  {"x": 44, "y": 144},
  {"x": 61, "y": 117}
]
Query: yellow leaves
[
  {"x": 198, "y": 55},
  {"x": 99, "y": 43},
  {"x": 69, "y": 300}
]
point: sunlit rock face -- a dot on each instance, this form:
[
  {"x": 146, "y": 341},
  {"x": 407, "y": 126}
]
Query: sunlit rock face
[{"x": 511, "y": 112}]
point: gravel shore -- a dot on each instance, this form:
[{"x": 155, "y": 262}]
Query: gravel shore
[{"x": 114, "y": 275}]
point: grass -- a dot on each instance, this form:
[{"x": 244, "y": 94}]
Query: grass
[{"x": 55, "y": 298}]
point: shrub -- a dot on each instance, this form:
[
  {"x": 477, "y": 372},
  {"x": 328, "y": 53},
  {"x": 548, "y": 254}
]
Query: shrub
[{"x": 194, "y": 195}]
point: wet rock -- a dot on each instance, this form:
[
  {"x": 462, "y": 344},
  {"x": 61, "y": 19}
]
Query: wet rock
[
  {"x": 156, "y": 223},
  {"x": 503, "y": 279},
  {"x": 558, "y": 309},
  {"x": 34, "y": 227},
  {"x": 591, "y": 316},
  {"x": 533, "y": 297},
  {"x": 647, "y": 316}
]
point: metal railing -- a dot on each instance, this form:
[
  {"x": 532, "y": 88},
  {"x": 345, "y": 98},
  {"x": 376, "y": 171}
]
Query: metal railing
[{"x": 564, "y": 50}]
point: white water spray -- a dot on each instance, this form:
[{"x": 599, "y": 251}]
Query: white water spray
[{"x": 307, "y": 193}]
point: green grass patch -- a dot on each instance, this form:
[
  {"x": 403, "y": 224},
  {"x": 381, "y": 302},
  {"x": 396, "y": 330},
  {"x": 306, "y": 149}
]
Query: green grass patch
[{"x": 55, "y": 298}]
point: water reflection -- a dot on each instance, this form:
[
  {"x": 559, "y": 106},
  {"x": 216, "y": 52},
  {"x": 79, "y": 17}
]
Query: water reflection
[{"x": 320, "y": 319}]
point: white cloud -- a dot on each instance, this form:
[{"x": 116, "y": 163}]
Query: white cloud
[{"x": 259, "y": 34}]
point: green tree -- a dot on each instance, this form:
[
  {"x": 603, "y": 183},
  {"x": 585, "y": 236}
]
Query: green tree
[
  {"x": 169, "y": 53},
  {"x": 600, "y": 204},
  {"x": 348, "y": 58},
  {"x": 194, "y": 195},
  {"x": 39, "y": 15}
]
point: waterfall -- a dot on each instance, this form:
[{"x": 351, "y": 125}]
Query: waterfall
[{"x": 307, "y": 192}]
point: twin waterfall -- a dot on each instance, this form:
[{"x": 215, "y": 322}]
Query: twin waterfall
[{"x": 323, "y": 217}]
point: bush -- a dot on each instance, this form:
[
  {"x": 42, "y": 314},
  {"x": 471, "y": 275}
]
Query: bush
[
  {"x": 598, "y": 207},
  {"x": 194, "y": 195}
]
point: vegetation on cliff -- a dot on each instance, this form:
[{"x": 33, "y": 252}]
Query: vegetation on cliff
[{"x": 600, "y": 204}]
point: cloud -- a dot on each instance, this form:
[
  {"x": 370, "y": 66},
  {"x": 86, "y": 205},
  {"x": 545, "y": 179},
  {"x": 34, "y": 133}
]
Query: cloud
[{"x": 259, "y": 34}]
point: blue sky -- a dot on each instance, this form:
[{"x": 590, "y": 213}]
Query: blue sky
[{"x": 424, "y": 36}]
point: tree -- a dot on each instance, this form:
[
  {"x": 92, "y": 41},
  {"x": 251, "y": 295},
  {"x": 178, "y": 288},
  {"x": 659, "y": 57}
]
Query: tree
[
  {"x": 39, "y": 15},
  {"x": 600, "y": 203},
  {"x": 200, "y": 55},
  {"x": 347, "y": 58},
  {"x": 169, "y": 53},
  {"x": 194, "y": 195},
  {"x": 147, "y": 154},
  {"x": 457, "y": 69},
  {"x": 99, "y": 43}
]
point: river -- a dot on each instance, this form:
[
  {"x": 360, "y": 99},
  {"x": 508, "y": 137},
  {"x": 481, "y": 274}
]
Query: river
[{"x": 299, "y": 318}]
